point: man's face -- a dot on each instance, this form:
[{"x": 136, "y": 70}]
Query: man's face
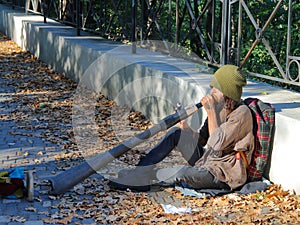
[
  {"x": 218, "y": 95},
  {"x": 219, "y": 103}
]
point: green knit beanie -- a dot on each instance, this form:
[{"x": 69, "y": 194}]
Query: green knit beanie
[{"x": 229, "y": 81}]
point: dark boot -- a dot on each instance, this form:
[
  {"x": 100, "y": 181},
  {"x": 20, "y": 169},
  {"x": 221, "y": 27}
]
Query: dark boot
[
  {"x": 137, "y": 179},
  {"x": 123, "y": 187}
]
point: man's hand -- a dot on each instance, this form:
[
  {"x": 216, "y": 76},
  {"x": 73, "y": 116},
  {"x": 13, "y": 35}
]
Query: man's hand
[
  {"x": 208, "y": 102},
  {"x": 211, "y": 103}
]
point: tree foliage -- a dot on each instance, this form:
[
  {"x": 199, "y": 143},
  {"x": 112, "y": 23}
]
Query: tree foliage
[{"x": 275, "y": 35}]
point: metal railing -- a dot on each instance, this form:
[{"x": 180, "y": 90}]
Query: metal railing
[{"x": 218, "y": 31}]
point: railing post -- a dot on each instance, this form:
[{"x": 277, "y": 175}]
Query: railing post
[
  {"x": 169, "y": 24},
  {"x": 240, "y": 20},
  {"x": 60, "y": 8},
  {"x": 133, "y": 33},
  {"x": 288, "y": 41},
  {"x": 224, "y": 33},
  {"x": 177, "y": 23},
  {"x": 77, "y": 17},
  {"x": 45, "y": 10},
  {"x": 143, "y": 26},
  {"x": 27, "y": 3},
  {"x": 212, "y": 44}
]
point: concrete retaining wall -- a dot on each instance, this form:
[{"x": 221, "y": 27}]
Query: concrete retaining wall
[{"x": 149, "y": 82}]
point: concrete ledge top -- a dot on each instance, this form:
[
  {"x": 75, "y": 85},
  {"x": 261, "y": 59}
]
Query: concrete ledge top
[{"x": 286, "y": 102}]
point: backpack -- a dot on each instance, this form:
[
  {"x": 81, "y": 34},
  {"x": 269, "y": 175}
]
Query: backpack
[{"x": 264, "y": 128}]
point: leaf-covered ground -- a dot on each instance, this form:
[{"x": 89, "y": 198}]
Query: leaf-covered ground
[{"x": 45, "y": 99}]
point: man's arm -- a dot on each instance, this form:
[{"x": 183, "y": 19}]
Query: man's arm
[
  {"x": 210, "y": 105},
  {"x": 203, "y": 133}
]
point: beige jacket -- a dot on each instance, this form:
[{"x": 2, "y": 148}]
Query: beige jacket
[{"x": 235, "y": 134}]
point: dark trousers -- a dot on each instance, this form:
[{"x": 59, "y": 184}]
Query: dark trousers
[{"x": 187, "y": 143}]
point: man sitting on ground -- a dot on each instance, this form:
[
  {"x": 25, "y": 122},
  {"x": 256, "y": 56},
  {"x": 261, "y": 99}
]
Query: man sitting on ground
[{"x": 227, "y": 130}]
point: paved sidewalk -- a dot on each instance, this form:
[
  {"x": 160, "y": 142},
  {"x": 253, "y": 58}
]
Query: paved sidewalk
[
  {"x": 30, "y": 135},
  {"x": 21, "y": 147},
  {"x": 36, "y": 133}
]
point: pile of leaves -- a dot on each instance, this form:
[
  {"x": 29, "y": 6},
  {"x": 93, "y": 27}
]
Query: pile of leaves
[
  {"x": 44, "y": 101},
  {"x": 274, "y": 206}
]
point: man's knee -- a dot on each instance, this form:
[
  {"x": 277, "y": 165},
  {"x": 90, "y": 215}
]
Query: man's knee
[
  {"x": 171, "y": 174},
  {"x": 174, "y": 131}
]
